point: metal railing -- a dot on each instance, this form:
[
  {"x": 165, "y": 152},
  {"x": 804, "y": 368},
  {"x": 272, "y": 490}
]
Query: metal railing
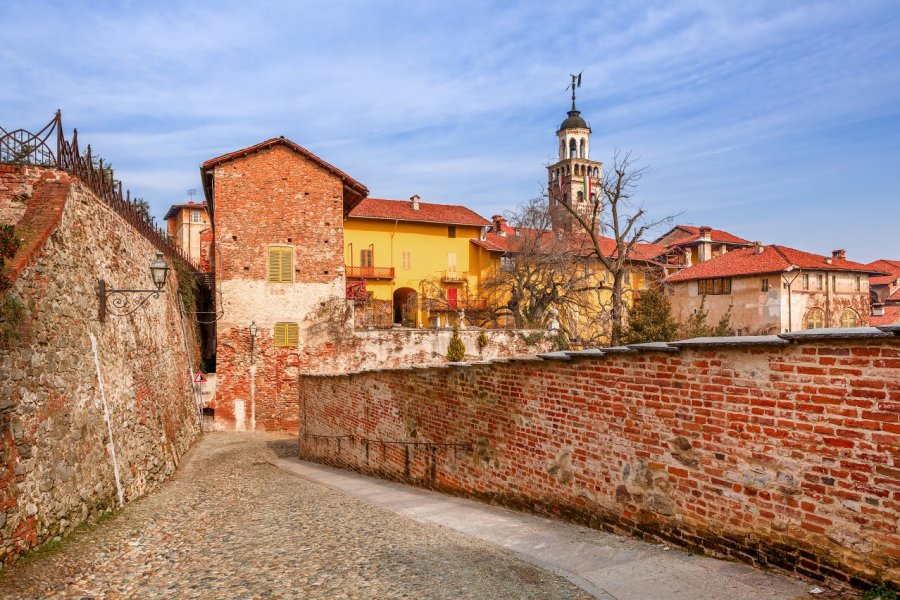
[
  {"x": 370, "y": 272},
  {"x": 50, "y": 149},
  {"x": 454, "y": 276}
]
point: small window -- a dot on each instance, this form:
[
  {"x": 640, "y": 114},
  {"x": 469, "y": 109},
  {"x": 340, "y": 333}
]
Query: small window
[
  {"x": 451, "y": 231},
  {"x": 849, "y": 318},
  {"x": 806, "y": 281},
  {"x": 857, "y": 283},
  {"x": 714, "y": 287},
  {"x": 196, "y": 217},
  {"x": 820, "y": 282},
  {"x": 834, "y": 283},
  {"x": 406, "y": 257},
  {"x": 367, "y": 258},
  {"x": 281, "y": 264},
  {"x": 286, "y": 334},
  {"x": 765, "y": 284},
  {"x": 451, "y": 261},
  {"x": 815, "y": 319}
]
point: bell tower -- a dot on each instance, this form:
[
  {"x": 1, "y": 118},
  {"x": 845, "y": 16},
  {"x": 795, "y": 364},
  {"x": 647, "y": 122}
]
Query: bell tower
[{"x": 575, "y": 179}]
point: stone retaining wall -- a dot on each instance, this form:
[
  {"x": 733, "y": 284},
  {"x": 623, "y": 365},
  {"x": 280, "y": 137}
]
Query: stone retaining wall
[
  {"x": 782, "y": 453},
  {"x": 58, "y": 455}
]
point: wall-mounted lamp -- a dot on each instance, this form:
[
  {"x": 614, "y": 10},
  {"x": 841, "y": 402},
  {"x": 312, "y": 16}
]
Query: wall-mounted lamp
[
  {"x": 252, "y": 338},
  {"x": 121, "y": 300}
]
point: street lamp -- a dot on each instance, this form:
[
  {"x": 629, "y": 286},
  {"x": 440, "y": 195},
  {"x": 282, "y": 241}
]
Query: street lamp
[{"x": 124, "y": 302}]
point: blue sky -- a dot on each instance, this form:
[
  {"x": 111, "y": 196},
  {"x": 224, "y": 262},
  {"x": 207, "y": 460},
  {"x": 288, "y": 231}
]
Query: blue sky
[{"x": 778, "y": 121}]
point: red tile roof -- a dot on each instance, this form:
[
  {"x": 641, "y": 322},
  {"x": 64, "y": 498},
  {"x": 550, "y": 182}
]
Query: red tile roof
[
  {"x": 892, "y": 267},
  {"x": 357, "y": 191},
  {"x": 891, "y": 315},
  {"x": 772, "y": 259},
  {"x": 691, "y": 234},
  {"x": 176, "y": 207},
  {"x": 402, "y": 210},
  {"x": 494, "y": 242}
]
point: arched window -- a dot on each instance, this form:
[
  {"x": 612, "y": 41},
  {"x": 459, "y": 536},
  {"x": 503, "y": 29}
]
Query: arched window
[
  {"x": 573, "y": 148},
  {"x": 596, "y": 172},
  {"x": 593, "y": 198},
  {"x": 580, "y": 197},
  {"x": 849, "y": 318},
  {"x": 562, "y": 149},
  {"x": 581, "y": 149},
  {"x": 815, "y": 318}
]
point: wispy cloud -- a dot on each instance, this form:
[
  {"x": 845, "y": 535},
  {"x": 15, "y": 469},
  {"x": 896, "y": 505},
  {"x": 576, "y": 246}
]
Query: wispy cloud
[{"x": 741, "y": 112}]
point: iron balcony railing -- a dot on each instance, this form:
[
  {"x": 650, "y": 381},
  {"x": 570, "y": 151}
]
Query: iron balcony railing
[
  {"x": 454, "y": 276},
  {"x": 370, "y": 272}
]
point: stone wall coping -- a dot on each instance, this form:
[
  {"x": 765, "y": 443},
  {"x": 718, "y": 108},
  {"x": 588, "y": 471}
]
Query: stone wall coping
[
  {"x": 586, "y": 353},
  {"x": 892, "y": 328},
  {"x": 555, "y": 356},
  {"x": 736, "y": 340},
  {"x": 458, "y": 364},
  {"x": 618, "y": 350},
  {"x": 836, "y": 333},
  {"x": 653, "y": 347}
]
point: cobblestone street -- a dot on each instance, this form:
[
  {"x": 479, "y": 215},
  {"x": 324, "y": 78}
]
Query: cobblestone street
[{"x": 230, "y": 525}]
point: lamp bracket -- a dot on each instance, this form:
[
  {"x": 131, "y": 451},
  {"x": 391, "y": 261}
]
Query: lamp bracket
[{"x": 120, "y": 303}]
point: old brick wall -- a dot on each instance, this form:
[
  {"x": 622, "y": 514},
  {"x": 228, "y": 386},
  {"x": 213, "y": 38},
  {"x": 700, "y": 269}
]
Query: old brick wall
[
  {"x": 779, "y": 456},
  {"x": 56, "y": 455}
]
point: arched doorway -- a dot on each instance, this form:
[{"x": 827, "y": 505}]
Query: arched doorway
[{"x": 405, "y": 307}]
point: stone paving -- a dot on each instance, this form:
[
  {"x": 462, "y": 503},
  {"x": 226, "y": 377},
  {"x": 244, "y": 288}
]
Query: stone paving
[{"x": 231, "y": 525}]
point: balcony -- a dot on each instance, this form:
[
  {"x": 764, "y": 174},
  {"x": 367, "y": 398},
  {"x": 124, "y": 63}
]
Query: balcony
[
  {"x": 454, "y": 276},
  {"x": 370, "y": 272}
]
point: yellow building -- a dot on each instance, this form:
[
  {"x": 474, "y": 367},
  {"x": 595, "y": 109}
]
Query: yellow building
[{"x": 412, "y": 263}]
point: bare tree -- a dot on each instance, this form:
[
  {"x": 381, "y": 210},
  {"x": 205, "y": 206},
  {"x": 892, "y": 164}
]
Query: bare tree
[
  {"x": 543, "y": 269},
  {"x": 614, "y": 227}
]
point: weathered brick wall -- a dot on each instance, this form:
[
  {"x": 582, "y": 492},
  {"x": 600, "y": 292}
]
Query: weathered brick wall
[
  {"x": 266, "y": 379},
  {"x": 779, "y": 456},
  {"x": 56, "y": 455}
]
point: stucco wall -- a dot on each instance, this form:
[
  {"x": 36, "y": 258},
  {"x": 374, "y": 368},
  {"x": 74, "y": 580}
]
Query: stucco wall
[
  {"x": 752, "y": 310},
  {"x": 64, "y": 438}
]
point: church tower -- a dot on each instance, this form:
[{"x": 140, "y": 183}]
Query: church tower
[{"x": 575, "y": 179}]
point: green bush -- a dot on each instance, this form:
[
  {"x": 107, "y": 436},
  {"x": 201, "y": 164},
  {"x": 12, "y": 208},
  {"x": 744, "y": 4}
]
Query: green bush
[{"x": 456, "y": 350}]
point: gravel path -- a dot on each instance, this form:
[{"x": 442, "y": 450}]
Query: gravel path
[{"x": 230, "y": 525}]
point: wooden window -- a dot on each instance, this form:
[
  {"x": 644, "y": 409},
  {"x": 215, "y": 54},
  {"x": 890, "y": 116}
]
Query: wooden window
[
  {"x": 406, "y": 258},
  {"x": 849, "y": 318},
  {"x": 820, "y": 282},
  {"x": 765, "y": 284},
  {"x": 281, "y": 264},
  {"x": 451, "y": 261},
  {"x": 451, "y": 231},
  {"x": 196, "y": 217},
  {"x": 806, "y": 281},
  {"x": 714, "y": 287},
  {"x": 367, "y": 258},
  {"x": 857, "y": 283},
  {"x": 815, "y": 319},
  {"x": 286, "y": 334}
]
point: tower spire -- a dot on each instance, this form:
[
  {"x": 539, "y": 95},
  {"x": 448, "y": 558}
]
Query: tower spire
[{"x": 576, "y": 83}]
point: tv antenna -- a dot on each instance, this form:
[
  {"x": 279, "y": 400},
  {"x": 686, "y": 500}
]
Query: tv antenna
[{"x": 192, "y": 192}]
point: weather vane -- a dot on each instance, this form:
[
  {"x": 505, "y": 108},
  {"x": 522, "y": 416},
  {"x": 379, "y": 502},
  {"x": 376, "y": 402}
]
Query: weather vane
[{"x": 576, "y": 83}]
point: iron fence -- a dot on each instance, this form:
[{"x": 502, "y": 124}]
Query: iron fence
[{"x": 49, "y": 148}]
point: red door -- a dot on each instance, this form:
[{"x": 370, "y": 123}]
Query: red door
[{"x": 451, "y": 297}]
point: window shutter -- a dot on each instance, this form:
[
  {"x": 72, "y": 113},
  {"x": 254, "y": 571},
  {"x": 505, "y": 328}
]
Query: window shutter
[
  {"x": 287, "y": 265},
  {"x": 279, "y": 334},
  {"x": 286, "y": 334},
  {"x": 274, "y": 263},
  {"x": 281, "y": 264}
]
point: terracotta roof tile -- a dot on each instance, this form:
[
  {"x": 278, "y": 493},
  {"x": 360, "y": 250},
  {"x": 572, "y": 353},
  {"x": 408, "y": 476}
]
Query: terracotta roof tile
[
  {"x": 693, "y": 234},
  {"x": 773, "y": 259},
  {"x": 892, "y": 267},
  {"x": 891, "y": 315},
  {"x": 495, "y": 242},
  {"x": 402, "y": 210},
  {"x": 175, "y": 207}
]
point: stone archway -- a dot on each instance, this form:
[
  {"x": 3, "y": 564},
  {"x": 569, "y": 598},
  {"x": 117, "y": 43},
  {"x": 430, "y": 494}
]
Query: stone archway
[{"x": 405, "y": 306}]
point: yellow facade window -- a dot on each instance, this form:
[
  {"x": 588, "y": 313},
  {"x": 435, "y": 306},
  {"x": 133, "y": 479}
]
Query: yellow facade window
[
  {"x": 815, "y": 319},
  {"x": 281, "y": 264},
  {"x": 286, "y": 334},
  {"x": 849, "y": 318},
  {"x": 406, "y": 259}
]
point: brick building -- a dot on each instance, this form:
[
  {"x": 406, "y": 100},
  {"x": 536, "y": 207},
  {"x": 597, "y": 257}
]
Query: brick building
[{"x": 278, "y": 244}]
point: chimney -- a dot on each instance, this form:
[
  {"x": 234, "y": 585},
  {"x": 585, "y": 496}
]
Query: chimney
[
  {"x": 499, "y": 224},
  {"x": 414, "y": 200},
  {"x": 878, "y": 310},
  {"x": 758, "y": 247},
  {"x": 842, "y": 254},
  {"x": 704, "y": 251}
]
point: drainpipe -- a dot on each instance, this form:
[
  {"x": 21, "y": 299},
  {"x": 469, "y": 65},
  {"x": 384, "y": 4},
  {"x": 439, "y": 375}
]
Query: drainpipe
[{"x": 789, "y": 283}]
